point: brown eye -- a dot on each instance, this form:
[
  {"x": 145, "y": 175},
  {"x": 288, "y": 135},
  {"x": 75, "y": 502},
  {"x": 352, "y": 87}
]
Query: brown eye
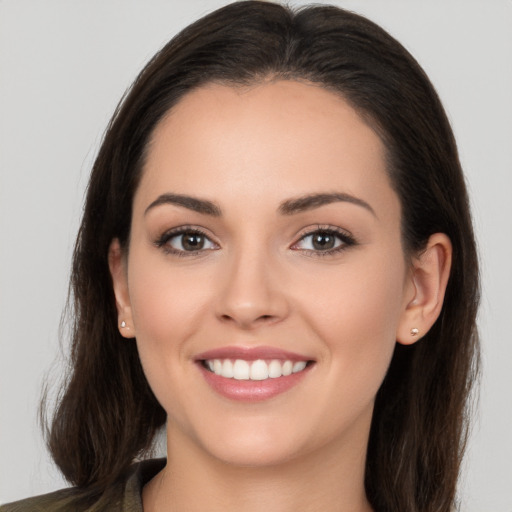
[
  {"x": 192, "y": 241},
  {"x": 186, "y": 241},
  {"x": 323, "y": 241}
]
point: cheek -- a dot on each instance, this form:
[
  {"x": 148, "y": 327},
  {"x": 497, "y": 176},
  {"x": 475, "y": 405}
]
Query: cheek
[
  {"x": 361, "y": 296},
  {"x": 167, "y": 307},
  {"x": 164, "y": 299},
  {"x": 355, "y": 311}
]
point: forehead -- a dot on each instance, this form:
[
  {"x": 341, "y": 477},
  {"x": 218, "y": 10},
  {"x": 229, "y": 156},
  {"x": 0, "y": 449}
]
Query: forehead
[{"x": 271, "y": 139}]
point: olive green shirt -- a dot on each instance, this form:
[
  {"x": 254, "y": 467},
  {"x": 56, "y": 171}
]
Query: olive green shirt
[{"x": 129, "y": 497}]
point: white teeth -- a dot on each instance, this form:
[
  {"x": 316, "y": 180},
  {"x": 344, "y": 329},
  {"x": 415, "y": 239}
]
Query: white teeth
[
  {"x": 240, "y": 370},
  {"x": 259, "y": 370},
  {"x": 299, "y": 366},
  {"x": 274, "y": 369},
  {"x": 227, "y": 369},
  {"x": 287, "y": 368},
  {"x": 254, "y": 370}
]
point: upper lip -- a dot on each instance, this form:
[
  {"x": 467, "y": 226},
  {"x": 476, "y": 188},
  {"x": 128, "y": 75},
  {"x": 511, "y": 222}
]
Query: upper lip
[{"x": 251, "y": 354}]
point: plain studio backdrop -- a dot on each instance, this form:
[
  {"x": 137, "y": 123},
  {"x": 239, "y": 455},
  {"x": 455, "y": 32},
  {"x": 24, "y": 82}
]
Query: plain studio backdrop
[{"x": 63, "y": 68}]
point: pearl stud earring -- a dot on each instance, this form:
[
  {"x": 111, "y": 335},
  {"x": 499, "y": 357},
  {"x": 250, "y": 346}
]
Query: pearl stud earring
[
  {"x": 414, "y": 331},
  {"x": 123, "y": 324}
]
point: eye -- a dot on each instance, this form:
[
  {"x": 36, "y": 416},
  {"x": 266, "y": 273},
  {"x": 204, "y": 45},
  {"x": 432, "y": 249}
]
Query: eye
[
  {"x": 325, "y": 241},
  {"x": 185, "y": 240}
]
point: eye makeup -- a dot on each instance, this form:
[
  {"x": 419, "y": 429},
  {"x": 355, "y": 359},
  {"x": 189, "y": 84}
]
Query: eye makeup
[
  {"x": 185, "y": 241},
  {"x": 319, "y": 241},
  {"x": 324, "y": 241}
]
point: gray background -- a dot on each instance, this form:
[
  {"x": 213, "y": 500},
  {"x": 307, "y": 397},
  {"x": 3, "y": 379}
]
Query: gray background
[{"x": 64, "y": 66}]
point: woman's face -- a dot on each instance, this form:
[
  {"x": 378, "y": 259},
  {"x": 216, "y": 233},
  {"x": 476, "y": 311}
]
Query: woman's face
[{"x": 265, "y": 229}]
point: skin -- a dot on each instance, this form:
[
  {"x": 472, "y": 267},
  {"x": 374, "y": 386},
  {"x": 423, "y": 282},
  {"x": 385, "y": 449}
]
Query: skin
[{"x": 259, "y": 281}]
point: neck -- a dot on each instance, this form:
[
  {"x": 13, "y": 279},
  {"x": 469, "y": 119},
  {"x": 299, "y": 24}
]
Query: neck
[{"x": 330, "y": 479}]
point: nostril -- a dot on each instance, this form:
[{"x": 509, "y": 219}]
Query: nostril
[{"x": 248, "y": 321}]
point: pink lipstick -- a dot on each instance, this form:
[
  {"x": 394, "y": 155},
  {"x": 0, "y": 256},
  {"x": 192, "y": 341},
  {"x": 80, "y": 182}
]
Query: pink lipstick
[{"x": 252, "y": 374}]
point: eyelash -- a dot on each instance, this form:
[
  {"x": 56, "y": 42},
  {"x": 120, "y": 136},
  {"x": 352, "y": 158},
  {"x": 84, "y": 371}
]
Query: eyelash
[
  {"x": 166, "y": 237},
  {"x": 346, "y": 239}
]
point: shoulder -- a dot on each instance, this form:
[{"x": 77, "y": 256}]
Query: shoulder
[
  {"x": 44, "y": 503},
  {"x": 125, "y": 496}
]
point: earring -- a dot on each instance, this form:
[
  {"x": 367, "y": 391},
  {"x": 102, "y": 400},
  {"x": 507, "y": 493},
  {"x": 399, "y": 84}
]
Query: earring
[
  {"x": 123, "y": 324},
  {"x": 414, "y": 331}
]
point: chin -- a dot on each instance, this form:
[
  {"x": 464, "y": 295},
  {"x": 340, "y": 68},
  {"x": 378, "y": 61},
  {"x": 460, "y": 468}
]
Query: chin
[
  {"x": 253, "y": 455},
  {"x": 257, "y": 446}
]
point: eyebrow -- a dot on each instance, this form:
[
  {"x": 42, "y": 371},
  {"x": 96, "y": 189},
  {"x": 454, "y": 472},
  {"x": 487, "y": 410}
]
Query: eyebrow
[
  {"x": 288, "y": 207},
  {"x": 312, "y": 201},
  {"x": 192, "y": 203}
]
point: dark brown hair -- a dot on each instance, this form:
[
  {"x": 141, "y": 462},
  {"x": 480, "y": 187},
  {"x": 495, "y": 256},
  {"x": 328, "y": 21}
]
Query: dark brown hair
[{"x": 108, "y": 415}]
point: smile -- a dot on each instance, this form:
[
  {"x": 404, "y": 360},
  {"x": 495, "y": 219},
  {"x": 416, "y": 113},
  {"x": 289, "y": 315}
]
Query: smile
[
  {"x": 240, "y": 369},
  {"x": 252, "y": 374}
]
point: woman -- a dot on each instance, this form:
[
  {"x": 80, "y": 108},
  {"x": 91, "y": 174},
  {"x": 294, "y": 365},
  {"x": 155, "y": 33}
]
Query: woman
[{"x": 276, "y": 260}]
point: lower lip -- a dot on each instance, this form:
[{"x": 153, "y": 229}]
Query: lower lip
[{"x": 252, "y": 390}]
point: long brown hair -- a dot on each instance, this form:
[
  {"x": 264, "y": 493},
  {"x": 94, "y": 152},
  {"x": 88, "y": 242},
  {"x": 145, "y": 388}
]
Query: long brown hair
[{"x": 108, "y": 415}]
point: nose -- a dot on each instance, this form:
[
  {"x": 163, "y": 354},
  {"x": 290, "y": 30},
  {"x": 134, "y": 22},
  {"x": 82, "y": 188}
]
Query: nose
[{"x": 252, "y": 293}]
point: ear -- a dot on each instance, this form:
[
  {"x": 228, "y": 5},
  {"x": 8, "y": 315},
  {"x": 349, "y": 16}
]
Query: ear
[
  {"x": 118, "y": 271},
  {"x": 426, "y": 288}
]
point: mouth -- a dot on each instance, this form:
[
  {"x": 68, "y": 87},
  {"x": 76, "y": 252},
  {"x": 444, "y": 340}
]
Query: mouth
[
  {"x": 259, "y": 369},
  {"x": 252, "y": 374}
]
